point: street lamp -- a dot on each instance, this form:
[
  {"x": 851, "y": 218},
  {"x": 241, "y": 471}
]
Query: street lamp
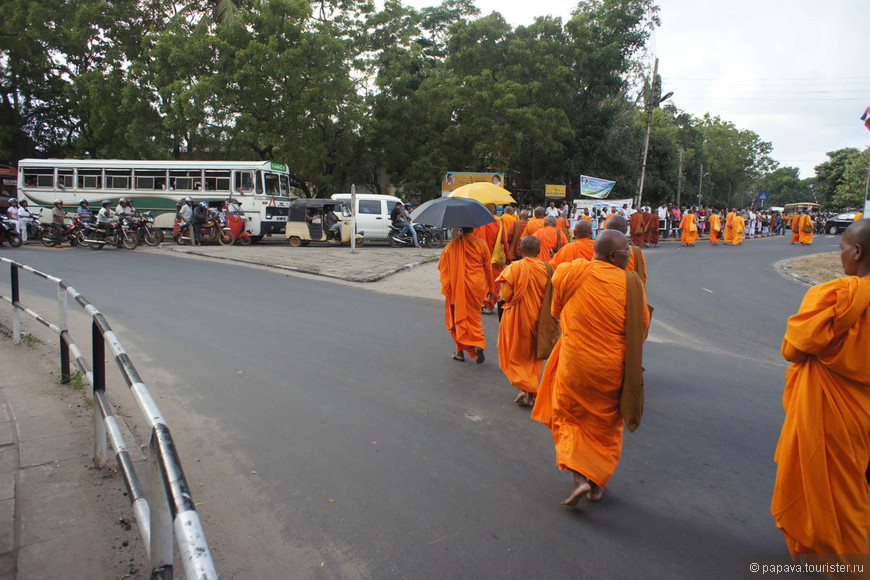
[{"x": 649, "y": 114}]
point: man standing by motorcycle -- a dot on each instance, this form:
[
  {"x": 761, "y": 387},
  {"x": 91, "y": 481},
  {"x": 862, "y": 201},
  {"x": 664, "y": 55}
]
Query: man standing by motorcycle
[
  {"x": 401, "y": 220},
  {"x": 185, "y": 214},
  {"x": 200, "y": 214}
]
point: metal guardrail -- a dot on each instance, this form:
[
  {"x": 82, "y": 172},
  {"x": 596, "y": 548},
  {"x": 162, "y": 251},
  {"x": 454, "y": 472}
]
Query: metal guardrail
[{"x": 164, "y": 507}]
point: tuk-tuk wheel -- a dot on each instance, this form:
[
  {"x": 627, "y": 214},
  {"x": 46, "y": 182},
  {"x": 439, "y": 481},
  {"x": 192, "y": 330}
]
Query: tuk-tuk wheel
[
  {"x": 294, "y": 241},
  {"x": 360, "y": 242},
  {"x": 244, "y": 241}
]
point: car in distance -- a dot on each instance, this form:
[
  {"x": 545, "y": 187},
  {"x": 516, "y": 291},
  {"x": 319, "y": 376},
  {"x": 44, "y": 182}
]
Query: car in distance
[{"x": 837, "y": 224}]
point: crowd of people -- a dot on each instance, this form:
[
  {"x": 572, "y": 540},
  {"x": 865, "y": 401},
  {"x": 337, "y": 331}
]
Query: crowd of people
[{"x": 587, "y": 385}]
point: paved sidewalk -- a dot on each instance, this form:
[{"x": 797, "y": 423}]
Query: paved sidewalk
[{"x": 59, "y": 517}]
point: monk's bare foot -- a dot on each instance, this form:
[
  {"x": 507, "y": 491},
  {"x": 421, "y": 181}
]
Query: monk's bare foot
[
  {"x": 581, "y": 487},
  {"x": 524, "y": 399},
  {"x": 480, "y": 357},
  {"x": 458, "y": 355},
  {"x": 596, "y": 493},
  {"x": 520, "y": 397}
]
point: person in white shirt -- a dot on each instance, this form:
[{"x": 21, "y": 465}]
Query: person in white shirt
[
  {"x": 125, "y": 208},
  {"x": 552, "y": 210},
  {"x": 663, "y": 219},
  {"x": 753, "y": 223},
  {"x": 106, "y": 216},
  {"x": 25, "y": 218},
  {"x": 12, "y": 213}
]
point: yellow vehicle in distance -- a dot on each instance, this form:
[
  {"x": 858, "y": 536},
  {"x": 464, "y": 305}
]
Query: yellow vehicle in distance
[
  {"x": 792, "y": 209},
  {"x": 319, "y": 220}
]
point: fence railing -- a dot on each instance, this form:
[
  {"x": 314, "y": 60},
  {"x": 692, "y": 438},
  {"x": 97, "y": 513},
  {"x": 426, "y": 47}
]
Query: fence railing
[{"x": 165, "y": 513}]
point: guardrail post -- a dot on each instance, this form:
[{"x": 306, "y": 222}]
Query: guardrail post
[
  {"x": 161, "y": 517},
  {"x": 62, "y": 324},
  {"x": 16, "y": 312},
  {"x": 98, "y": 347}
]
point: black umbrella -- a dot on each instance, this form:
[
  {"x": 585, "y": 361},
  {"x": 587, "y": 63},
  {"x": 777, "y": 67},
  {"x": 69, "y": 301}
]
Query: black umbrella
[{"x": 453, "y": 212}]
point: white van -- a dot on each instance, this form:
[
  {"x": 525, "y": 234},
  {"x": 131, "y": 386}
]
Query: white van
[{"x": 372, "y": 213}]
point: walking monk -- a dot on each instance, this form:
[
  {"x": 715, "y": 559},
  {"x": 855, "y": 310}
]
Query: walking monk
[
  {"x": 552, "y": 239},
  {"x": 689, "y": 228},
  {"x": 729, "y": 228},
  {"x": 795, "y": 228},
  {"x": 738, "y": 226},
  {"x": 515, "y": 235},
  {"x": 466, "y": 277},
  {"x": 492, "y": 234},
  {"x": 805, "y": 229},
  {"x": 579, "y": 395},
  {"x": 637, "y": 227},
  {"x": 522, "y": 289},
  {"x": 652, "y": 234},
  {"x": 636, "y": 262},
  {"x": 820, "y": 497},
  {"x": 536, "y": 223},
  {"x": 715, "y": 229},
  {"x": 581, "y": 247}
]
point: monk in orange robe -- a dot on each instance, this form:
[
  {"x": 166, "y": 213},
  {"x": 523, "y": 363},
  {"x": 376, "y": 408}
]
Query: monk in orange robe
[
  {"x": 579, "y": 394},
  {"x": 738, "y": 225},
  {"x": 636, "y": 261},
  {"x": 805, "y": 223},
  {"x": 522, "y": 290},
  {"x": 552, "y": 239},
  {"x": 515, "y": 235},
  {"x": 508, "y": 218},
  {"x": 650, "y": 224},
  {"x": 489, "y": 233},
  {"x": 637, "y": 228},
  {"x": 609, "y": 217},
  {"x": 715, "y": 228},
  {"x": 820, "y": 498},
  {"x": 466, "y": 277},
  {"x": 689, "y": 228},
  {"x": 728, "y": 232},
  {"x": 795, "y": 228},
  {"x": 564, "y": 226},
  {"x": 535, "y": 223},
  {"x": 581, "y": 247}
]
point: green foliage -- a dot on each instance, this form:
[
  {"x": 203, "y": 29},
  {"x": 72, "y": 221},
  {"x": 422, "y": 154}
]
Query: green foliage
[
  {"x": 833, "y": 188},
  {"x": 852, "y": 188}
]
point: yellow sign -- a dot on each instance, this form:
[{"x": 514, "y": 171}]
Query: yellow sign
[
  {"x": 455, "y": 179},
  {"x": 555, "y": 191}
]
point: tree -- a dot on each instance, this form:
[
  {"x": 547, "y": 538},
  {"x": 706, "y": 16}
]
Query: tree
[
  {"x": 831, "y": 173},
  {"x": 853, "y": 186}
]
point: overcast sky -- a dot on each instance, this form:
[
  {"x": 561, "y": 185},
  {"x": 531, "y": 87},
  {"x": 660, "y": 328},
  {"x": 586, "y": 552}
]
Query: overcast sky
[{"x": 795, "y": 72}]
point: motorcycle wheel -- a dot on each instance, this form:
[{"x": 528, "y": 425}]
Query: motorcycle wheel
[
  {"x": 245, "y": 241},
  {"x": 96, "y": 245},
  {"x": 49, "y": 238},
  {"x": 436, "y": 241},
  {"x": 152, "y": 236},
  {"x": 14, "y": 239},
  {"x": 226, "y": 237},
  {"x": 395, "y": 243},
  {"x": 80, "y": 238},
  {"x": 130, "y": 241}
]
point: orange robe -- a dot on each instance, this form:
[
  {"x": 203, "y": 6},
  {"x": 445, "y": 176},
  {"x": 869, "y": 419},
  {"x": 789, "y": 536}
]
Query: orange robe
[
  {"x": 582, "y": 248},
  {"x": 636, "y": 228},
  {"x": 738, "y": 224},
  {"x": 550, "y": 238},
  {"x": 563, "y": 225},
  {"x": 650, "y": 224},
  {"x": 634, "y": 267},
  {"x": 820, "y": 496},
  {"x": 795, "y": 229},
  {"x": 522, "y": 289},
  {"x": 607, "y": 219},
  {"x": 805, "y": 237},
  {"x": 578, "y": 398},
  {"x": 534, "y": 224},
  {"x": 489, "y": 234},
  {"x": 514, "y": 237},
  {"x": 715, "y": 228},
  {"x": 466, "y": 277},
  {"x": 588, "y": 218},
  {"x": 687, "y": 223},
  {"x": 729, "y": 229}
]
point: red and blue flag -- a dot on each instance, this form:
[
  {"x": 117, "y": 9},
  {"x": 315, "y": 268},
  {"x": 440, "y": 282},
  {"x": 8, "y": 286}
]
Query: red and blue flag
[{"x": 866, "y": 118}]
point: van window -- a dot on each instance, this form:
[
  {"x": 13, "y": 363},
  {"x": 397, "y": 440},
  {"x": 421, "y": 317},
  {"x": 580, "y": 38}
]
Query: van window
[{"x": 370, "y": 206}]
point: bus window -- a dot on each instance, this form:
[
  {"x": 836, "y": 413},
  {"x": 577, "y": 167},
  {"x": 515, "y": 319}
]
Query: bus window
[
  {"x": 151, "y": 179},
  {"x": 217, "y": 180},
  {"x": 244, "y": 182},
  {"x": 38, "y": 177},
  {"x": 273, "y": 183},
  {"x": 89, "y": 178},
  {"x": 118, "y": 178},
  {"x": 185, "y": 179},
  {"x": 65, "y": 178},
  {"x": 285, "y": 185}
]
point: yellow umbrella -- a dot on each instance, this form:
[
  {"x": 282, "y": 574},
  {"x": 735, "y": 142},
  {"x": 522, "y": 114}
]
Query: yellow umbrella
[{"x": 484, "y": 192}]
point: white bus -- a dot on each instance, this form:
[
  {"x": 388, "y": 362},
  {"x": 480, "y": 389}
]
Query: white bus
[{"x": 262, "y": 187}]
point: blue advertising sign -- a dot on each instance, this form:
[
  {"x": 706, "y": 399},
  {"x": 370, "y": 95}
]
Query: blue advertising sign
[{"x": 595, "y": 187}]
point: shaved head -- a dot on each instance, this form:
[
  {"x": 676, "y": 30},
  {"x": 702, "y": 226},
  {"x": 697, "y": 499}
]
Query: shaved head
[
  {"x": 549, "y": 222},
  {"x": 612, "y": 247},
  {"x": 583, "y": 229},
  {"x": 524, "y": 214},
  {"x": 855, "y": 249},
  {"x": 539, "y": 212},
  {"x": 509, "y": 210},
  {"x": 617, "y": 223},
  {"x": 530, "y": 246}
]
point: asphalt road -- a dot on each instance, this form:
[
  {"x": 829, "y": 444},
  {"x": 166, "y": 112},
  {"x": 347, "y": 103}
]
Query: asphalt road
[{"x": 379, "y": 457}]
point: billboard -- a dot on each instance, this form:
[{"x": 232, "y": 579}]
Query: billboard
[
  {"x": 595, "y": 187},
  {"x": 554, "y": 191},
  {"x": 455, "y": 179}
]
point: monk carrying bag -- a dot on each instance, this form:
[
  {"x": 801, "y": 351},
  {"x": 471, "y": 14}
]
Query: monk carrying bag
[{"x": 807, "y": 228}]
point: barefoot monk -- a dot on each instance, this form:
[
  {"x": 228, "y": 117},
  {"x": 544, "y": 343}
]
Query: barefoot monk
[{"x": 581, "y": 393}]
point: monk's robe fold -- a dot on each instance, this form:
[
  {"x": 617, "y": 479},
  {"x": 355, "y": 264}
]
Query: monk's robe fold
[
  {"x": 795, "y": 228},
  {"x": 652, "y": 232},
  {"x": 636, "y": 228},
  {"x": 550, "y": 239},
  {"x": 582, "y": 248},
  {"x": 820, "y": 496},
  {"x": 729, "y": 228},
  {"x": 466, "y": 276},
  {"x": 489, "y": 234},
  {"x": 508, "y": 219},
  {"x": 686, "y": 224},
  {"x": 607, "y": 219},
  {"x": 637, "y": 263},
  {"x": 522, "y": 289},
  {"x": 805, "y": 237},
  {"x": 514, "y": 237},
  {"x": 715, "y": 228},
  {"x": 534, "y": 224},
  {"x": 578, "y": 397},
  {"x": 564, "y": 226}
]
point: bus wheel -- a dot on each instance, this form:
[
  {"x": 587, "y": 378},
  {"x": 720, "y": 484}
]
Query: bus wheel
[{"x": 294, "y": 241}]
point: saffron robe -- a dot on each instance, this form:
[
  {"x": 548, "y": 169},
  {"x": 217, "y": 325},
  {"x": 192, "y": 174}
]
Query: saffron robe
[
  {"x": 652, "y": 233},
  {"x": 581, "y": 248},
  {"x": 636, "y": 228},
  {"x": 805, "y": 237},
  {"x": 489, "y": 234},
  {"x": 795, "y": 229},
  {"x": 522, "y": 289},
  {"x": 686, "y": 224},
  {"x": 564, "y": 226},
  {"x": 729, "y": 228},
  {"x": 514, "y": 237},
  {"x": 466, "y": 277},
  {"x": 534, "y": 224},
  {"x": 715, "y": 229},
  {"x": 579, "y": 393},
  {"x": 738, "y": 225},
  {"x": 637, "y": 263},
  {"x": 820, "y": 496},
  {"x": 550, "y": 238}
]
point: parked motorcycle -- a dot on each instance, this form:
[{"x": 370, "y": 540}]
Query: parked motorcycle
[
  {"x": 9, "y": 232},
  {"x": 214, "y": 229},
  {"x": 69, "y": 234},
  {"x": 35, "y": 227},
  {"x": 425, "y": 237},
  {"x": 117, "y": 234},
  {"x": 143, "y": 223}
]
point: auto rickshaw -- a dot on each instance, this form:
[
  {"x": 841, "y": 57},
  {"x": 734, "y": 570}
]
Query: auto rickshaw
[
  {"x": 313, "y": 220},
  {"x": 237, "y": 221}
]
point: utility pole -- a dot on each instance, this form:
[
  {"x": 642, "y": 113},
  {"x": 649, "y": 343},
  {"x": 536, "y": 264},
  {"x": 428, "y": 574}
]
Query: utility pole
[
  {"x": 649, "y": 113},
  {"x": 700, "y": 183},
  {"x": 680, "y": 176}
]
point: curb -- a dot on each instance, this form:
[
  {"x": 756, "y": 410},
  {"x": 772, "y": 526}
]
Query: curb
[{"x": 784, "y": 270}]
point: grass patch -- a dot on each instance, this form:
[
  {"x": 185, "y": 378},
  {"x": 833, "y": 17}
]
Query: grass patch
[
  {"x": 77, "y": 380},
  {"x": 29, "y": 339}
]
